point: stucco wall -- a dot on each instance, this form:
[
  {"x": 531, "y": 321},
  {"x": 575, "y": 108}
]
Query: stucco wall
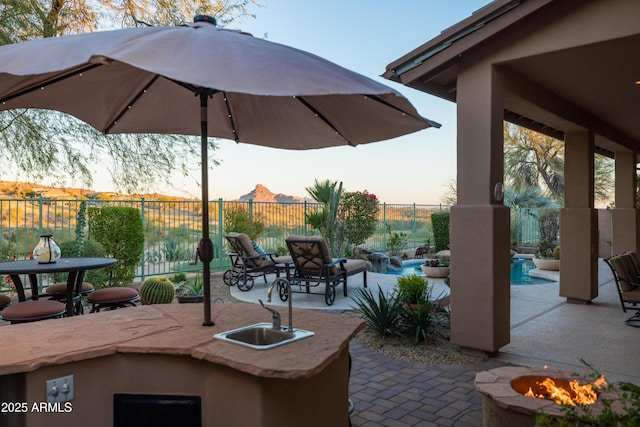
[{"x": 229, "y": 397}]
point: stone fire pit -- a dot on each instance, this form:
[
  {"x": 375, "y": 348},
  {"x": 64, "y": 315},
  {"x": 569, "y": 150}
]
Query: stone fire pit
[{"x": 502, "y": 405}]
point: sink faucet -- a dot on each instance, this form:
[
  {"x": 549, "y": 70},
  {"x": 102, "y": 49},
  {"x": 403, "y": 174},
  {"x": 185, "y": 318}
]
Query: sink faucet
[
  {"x": 275, "y": 316},
  {"x": 282, "y": 282}
]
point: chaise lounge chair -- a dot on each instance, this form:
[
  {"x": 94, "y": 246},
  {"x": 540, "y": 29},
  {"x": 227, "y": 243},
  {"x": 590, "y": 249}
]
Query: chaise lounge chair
[
  {"x": 626, "y": 271},
  {"x": 314, "y": 266},
  {"x": 247, "y": 262}
]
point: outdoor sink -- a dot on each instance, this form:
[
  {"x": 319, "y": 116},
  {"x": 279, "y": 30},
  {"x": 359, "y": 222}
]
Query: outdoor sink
[{"x": 262, "y": 336}]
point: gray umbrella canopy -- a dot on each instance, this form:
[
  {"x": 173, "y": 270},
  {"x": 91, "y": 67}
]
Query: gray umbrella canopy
[{"x": 143, "y": 80}]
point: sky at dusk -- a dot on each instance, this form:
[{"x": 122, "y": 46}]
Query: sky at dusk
[{"x": 364, "y": 36}]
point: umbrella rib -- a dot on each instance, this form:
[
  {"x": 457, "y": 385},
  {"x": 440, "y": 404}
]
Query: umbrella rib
[
  {"x": 382, "y": 101},
  {"x": 233, "y": 123},
  {"x": 48, "y": 82},
  {"x": 322, "y": 117},
  {"x": 131, "y": 103}
]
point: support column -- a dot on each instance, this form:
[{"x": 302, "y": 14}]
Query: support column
[
  {"x": 579, "y": 221},
  {"x": 480, "y": 286},
  {"x": 625, "y": 221}
]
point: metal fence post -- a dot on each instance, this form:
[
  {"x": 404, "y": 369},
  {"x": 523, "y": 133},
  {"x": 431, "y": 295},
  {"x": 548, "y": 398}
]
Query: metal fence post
[
  {"x": 220, "y": 231},
  {"x": 40, "y": 213},
  {"x": 384, "y": 224},
  {"x": 304, "y": 218},
  {"x": 415, "y": 225},
  {"x": 142, "y": 263}
]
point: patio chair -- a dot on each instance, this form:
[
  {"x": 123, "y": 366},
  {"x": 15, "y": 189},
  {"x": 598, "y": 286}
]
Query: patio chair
[
  {"x": 314, "y": 266},
  {"x": 626, "y": 272},
  {"x": 248, "y": 260}
]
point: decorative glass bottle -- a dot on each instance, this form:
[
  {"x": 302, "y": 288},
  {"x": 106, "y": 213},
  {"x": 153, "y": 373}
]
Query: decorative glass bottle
[{"x": 47, "y": 250}]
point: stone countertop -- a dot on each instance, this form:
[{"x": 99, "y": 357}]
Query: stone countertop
[{"x": 176, "y": 329}]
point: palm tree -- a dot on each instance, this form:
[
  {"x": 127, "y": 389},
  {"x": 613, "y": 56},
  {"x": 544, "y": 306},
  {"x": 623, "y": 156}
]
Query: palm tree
[
  {"x": 533, "y": 160},
  {"x": 326, "y": 220},
  {"x": 536, "y": 160}
]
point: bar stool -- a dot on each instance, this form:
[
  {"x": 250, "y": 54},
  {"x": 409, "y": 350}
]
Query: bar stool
[
  {"x": 112, "y": 298},
  {"x": 58, "y": 292},
  {"x": 5, "y": 301},
  {"x": 32, "y": 310}
]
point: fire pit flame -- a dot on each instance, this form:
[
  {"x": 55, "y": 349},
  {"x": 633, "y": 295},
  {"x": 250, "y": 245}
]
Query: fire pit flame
[{"x": 576, "y": 393}]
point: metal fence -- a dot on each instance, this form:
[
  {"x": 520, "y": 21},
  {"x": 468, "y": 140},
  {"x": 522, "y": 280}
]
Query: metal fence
[
  {"x": 173, "y": 227},
  {"x": 525, "y": 229}
]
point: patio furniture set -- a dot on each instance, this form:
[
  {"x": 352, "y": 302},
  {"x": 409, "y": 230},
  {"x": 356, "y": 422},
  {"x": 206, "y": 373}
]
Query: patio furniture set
[
  {"x": 308, "y": 265},
  {"x": 63, "y": 298}
]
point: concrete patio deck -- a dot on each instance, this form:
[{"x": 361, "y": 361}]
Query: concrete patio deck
[{"x": 545, "y": 330}]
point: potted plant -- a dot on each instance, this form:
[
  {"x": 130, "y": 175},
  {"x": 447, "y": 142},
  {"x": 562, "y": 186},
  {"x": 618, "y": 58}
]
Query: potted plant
[
  {"x": 190, "y": 291},
  {"x": 412, "y": 288},
  {"x": 436, "y": 267},
  {"x": 548, "y": 256}
]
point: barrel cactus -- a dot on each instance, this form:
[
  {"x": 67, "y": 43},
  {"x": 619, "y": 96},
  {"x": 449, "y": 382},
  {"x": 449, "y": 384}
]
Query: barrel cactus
[{"x": 157, "y": 290}]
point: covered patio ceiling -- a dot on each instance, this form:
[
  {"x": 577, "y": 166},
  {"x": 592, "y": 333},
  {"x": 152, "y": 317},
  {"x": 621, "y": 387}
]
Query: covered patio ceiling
[{"x": 593, "y": 84}]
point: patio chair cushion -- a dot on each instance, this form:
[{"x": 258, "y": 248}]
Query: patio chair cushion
[
  {"x": 33, "y": 310},
  {"x": 112, "y": 295},
  {"x": 626, "y": 272},
  {"x": 60, "y": 288},
  {"x": 635, "y": 261},
  {"x": 259, "y": 250},
  {"x": 5, "y": 300},
  {"x": 632, "y": 296},
  {"x": 317, "y": 248},
  {"x": 284, "y": 259},
  {"x": 248, "y": 249},
  {"x": 354, "y": 266}
]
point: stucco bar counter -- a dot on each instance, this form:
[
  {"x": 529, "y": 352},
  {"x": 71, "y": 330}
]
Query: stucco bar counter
[{"x": 165, "y": 350}]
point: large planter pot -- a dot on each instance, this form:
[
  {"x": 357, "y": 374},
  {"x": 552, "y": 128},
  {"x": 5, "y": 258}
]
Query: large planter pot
[
  {"x": 436, "y": 272},
  {"x": 547, "y": 264},
  {"x": 190, "y": 299}
]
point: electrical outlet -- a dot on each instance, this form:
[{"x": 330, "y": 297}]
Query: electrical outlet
[{"x": 60, "y": 389}]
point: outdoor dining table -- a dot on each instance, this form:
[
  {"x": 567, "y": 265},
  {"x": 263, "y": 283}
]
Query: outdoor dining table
[{"x": 76, "y": 267}]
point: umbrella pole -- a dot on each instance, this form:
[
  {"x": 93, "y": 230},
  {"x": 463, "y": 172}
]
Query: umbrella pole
[{"x": 205, "y": 248}]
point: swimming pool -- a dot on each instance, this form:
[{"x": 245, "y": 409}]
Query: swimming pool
[{"x": 519, "y": 271}]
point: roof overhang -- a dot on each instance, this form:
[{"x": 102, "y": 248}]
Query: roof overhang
[{"x": 587, "y": 83}]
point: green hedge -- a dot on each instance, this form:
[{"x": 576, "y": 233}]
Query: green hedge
[
  {"x": 119, "y": 229},
  {"x": 440, "y": 224}
]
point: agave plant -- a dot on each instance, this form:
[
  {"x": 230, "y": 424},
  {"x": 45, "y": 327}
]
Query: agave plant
[{"x": 382, "y": 314}]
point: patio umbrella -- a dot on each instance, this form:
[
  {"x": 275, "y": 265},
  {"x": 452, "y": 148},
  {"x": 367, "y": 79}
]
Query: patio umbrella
[{"x": 146, "y": 80}]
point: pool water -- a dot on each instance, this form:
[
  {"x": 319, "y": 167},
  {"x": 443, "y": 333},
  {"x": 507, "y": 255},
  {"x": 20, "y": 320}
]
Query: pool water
[{"x": 519, "y": 271}]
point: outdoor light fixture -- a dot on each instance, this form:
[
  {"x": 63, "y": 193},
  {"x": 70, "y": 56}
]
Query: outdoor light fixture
[{"x": 498, "y": 191}]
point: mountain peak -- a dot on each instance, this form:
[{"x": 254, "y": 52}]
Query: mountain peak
[{"x": 263, "y": 194}]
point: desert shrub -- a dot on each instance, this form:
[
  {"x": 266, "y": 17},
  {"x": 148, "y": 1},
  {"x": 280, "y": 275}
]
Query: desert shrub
[
  {"x": 173, "y": 250},
  {"x": 413, "y": 288},
  {"x": 237, "y": 219}
]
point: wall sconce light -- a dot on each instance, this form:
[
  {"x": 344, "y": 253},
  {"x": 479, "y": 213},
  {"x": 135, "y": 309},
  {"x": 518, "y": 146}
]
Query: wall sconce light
[{"x": 498, "y": 191}]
